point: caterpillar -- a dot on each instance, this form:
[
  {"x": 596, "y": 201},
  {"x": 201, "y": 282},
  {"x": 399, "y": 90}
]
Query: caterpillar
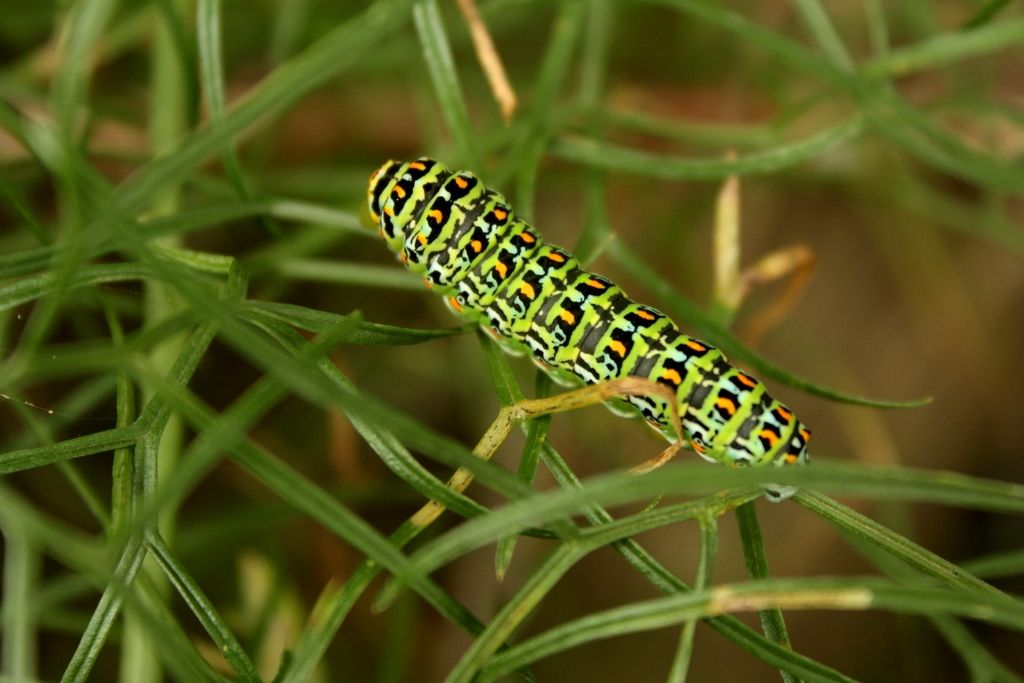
[{"x": 579, "y": 327}]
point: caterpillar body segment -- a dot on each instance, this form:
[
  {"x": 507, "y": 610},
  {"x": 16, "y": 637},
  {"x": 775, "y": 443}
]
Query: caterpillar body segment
[{"x": 535, "y": 298}]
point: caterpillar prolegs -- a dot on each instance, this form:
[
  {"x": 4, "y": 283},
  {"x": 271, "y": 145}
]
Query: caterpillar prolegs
[{"x": 579, "y": 327}]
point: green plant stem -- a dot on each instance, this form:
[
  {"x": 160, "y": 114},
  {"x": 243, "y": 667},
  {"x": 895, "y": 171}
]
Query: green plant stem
[
  {"x": 705, "y": 567},
  {"x": 772, "y": 622}
]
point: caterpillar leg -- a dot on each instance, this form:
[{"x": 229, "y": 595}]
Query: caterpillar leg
[{"x": 509, "y": 416}]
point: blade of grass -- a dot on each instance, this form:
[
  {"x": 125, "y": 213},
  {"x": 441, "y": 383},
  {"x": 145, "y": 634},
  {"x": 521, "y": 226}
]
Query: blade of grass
[
  {"x": 97, "y": 442},
  {"x": 121, "y": 494},
  {"x": 20, "y": 577},
  {"x": 611, "y": 157},
  {"x": 534, "y": 128},
  {"x": 365, "y": 334},
  {"x": 664, "y": 580},
  {"x": 504, "y": 623},
  {"x": 437, "y": 54},
  {"x": 678, "y": 479},
  {"x": 342, "y": 48},
  {"x": 1010, "y": 563},
  {"x": 825, "y": 34},
  {"x": 211, "y": 69},
  {"x": 808, "y": 593},
  {"x": 594, "y": 64},
  {"x": 705, "y": 567},
  {"x": 84, "y": 28},
  {"x": 340, "y": 272},
  {"x": 203, "y": 609},
  {"x": 96, "y": 632},
  {"x": 772, "y": 622},
  {"x": 896, "y": 545},
  {"x": 536, "y": 433},
  {"x": 980, "y": 662},
  {"x": 785, "y": 49},
  {"x": 946, "y": 48},
  {"x": 37, "y": 286}
]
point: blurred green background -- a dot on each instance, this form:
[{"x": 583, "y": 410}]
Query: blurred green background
[{"x": 911, "y": 206}]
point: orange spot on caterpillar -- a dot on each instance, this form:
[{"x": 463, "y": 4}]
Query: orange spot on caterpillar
[
  {"x": 618, "y": 347},
  {"x": 437, "y": 216},
  {"x": 805, "y": 433},
  {"x": 500, "y": 215},
  {"x": 417, "y": 166},
  {"x": 527, "y": 289},
  {"x": 527, "y": 237},
  {"x": 556, "y": 257},
  {"x": 477, "y": 246},
  {"x": 567, "y": 316},
  {"x": 596, "y": 284},
  {"x": 786, "y": 414},
  {"x": 426, "y": 283},
  {"x": 454, "y": 303},
  {"x": 398, "y": 190},
  {"x": 461, "y": 182},
  {"x": 696, "y": 345},
  {"x": 672, "y": 376},
  {"x": 791, "y": 459},
  {"x": 746, "y": 380},
  {"x": 389, "y": 211},
  {"x": 771, "y": 436},
  {"x": 697, "y": 447},
  {"x": 421, "y": 238},
  {"x": 645, "y": 315},
  {"x": 502, "y": 269},
  {"x": 726, "y": 404}
]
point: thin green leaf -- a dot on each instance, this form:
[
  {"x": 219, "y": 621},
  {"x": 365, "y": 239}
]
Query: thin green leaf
[
  {"x": 894, "y": 544},
  {"x": 342, "y": 48},
  {"x": 772, "y": 622},
  {"x": 365, "y": 334},
  {"x": 349, "y": 273},
  {"x": 678, "y": 479},
  {"x": 946, "y": 48},
  {"x": 536, "y": 434},
  {"x": 612, "y": 157},
  {"x": 20, "y": 578},
  {"x": 705, "y": 566},
  {"x": 825, "y": 34},
  {"x": 211, "y": 68},
  {"x": 809, "y": 593},
  {"x": 437, "y": 53},
  {"x": 203, "y": 609},
  {"x": 533, "y": 135}
]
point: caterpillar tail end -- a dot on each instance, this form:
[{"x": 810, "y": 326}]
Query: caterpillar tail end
[{"x": 798, "y": 455}]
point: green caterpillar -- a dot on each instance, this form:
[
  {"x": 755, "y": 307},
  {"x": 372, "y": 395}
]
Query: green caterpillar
[{"x": 579, "y": 327}]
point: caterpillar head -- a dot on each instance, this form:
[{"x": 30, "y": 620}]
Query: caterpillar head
[
  {"x": 379, "y": 182},
  {"x": 397, "y": 194}
]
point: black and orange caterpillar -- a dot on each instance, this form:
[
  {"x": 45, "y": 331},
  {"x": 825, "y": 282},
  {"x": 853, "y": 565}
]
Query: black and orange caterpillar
[{"x": 579, "y": 327}]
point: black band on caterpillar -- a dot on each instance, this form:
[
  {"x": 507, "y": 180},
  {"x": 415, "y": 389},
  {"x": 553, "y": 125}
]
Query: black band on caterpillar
[{"x": 579, "y": 327}]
